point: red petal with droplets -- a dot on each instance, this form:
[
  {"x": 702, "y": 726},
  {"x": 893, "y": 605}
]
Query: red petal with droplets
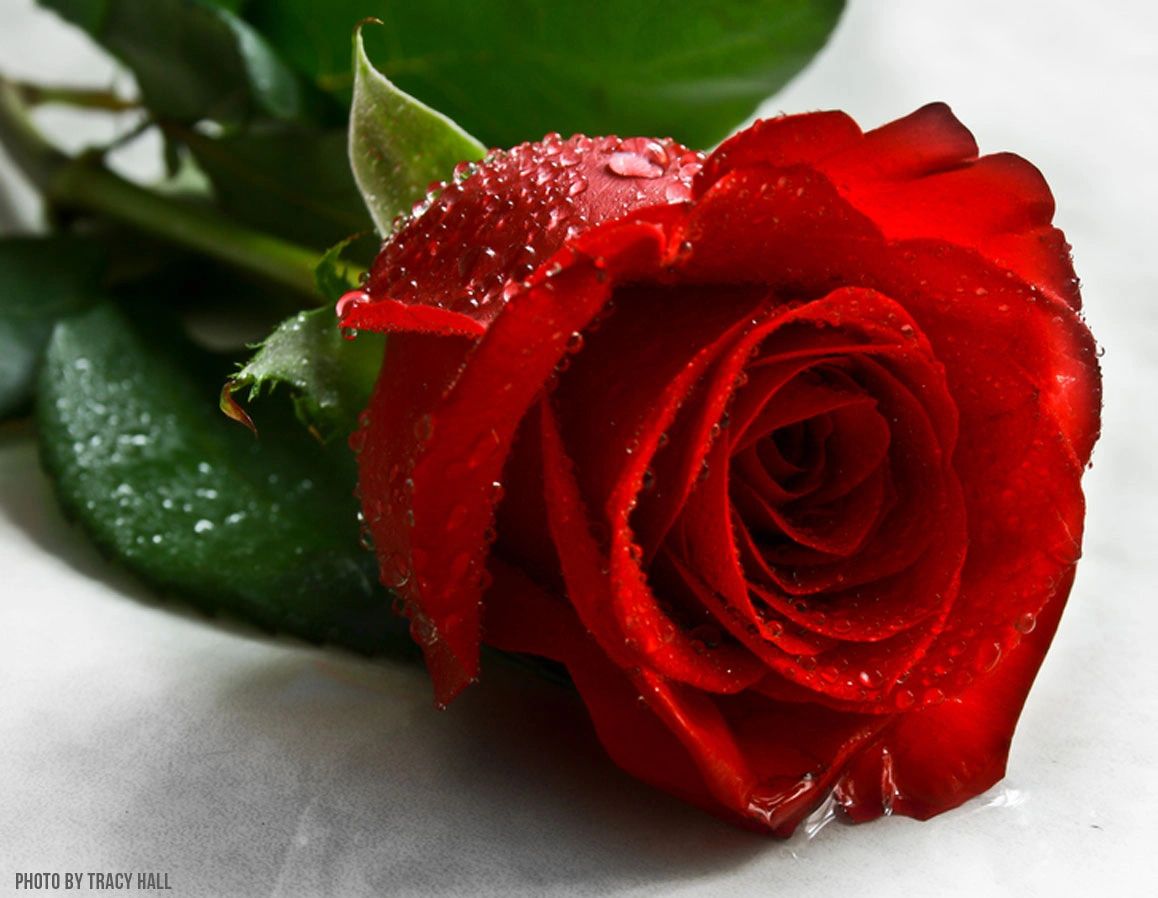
[
  {"x": 934, "y": 759},
  {"x": 464, "y": 427},
  {"x": 453, "y": 266}
]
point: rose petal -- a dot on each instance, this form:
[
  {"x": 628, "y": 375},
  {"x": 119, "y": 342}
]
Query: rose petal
[
  {"x": 453, "y": 267},
  {"x": 415, "y": 372},
  {"x": 635, "y": 372},
  {"x": 459, "y": 446},
  {"x": 934, "y": 759},
  {"x": 917, "y": 177},
  {"x": 641, "y": 636},
  {"x": 781, "y": 142},
  {"x": 1000, "y": 206},
  {"x": 925, "y": 142}
]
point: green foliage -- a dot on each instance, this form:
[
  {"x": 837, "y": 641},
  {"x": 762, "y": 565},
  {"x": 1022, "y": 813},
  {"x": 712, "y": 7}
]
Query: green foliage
[
  {"x": 330, "y": 377},
  {"x": 264, "y": 530},
  {"x": 513, "y": 70},
  {"x": 291, "y": 181},
  {"x": 193, "y": 59},
  {"x": 398, "y": 145}
]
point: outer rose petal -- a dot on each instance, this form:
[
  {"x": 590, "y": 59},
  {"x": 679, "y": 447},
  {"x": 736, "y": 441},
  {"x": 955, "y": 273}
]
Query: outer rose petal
[
  {"x": 919, "y": 177},
  {"x": 450, "y": 459},
  {"x": 934, "y": 759},
  {"x": 454, "y": 265}
]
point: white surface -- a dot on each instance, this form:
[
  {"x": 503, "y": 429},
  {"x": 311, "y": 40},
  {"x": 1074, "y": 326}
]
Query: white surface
[{"x": 133, "y": 737}]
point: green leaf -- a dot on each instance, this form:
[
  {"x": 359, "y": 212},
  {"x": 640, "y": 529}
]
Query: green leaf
[
  {"x": 193, "y": 59},
  {"x": 291, "y": 181},
  {"x": 398, "y": 145},
  {"x": 334, "y": 276},
  {"x": 264, "y": 530},
  {"x": 42, "y": 279},
  {"x": 513, "y": 70},
  {"x": 331, "y": 377}
]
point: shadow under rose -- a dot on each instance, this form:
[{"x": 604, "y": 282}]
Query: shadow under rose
[
  {"x": 342, "y": 779},
  {"x": 271, "y": 767}
]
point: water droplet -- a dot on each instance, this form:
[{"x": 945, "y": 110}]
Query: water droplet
[
  {"x": 574, "y": 342},
  {"x": 987, "y": 657},
  {"x": 639, "y": 158},
  {"x": 423, "y": 630},
  {"x": 1025, "y": 623},
  {"x": 870, "y": 678},
  {"x": 395, "y": 571},
  {"x": 348, "y": 301}
]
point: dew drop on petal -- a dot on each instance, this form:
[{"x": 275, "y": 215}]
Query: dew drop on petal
[{"x": 987, "y": 657}]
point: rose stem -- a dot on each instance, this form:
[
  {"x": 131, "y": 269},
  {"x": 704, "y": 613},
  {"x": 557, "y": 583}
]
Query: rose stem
[
  {"x": 82, "y": 97},
  {"x": 84, "y": 183}
]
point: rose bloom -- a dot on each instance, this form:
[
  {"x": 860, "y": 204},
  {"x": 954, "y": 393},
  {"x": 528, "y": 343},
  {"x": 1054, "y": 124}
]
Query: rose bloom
[{"x": 778, "y": 451}]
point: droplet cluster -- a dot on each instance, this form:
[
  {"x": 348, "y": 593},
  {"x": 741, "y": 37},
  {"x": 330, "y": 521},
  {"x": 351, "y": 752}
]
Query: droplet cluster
[{"x": 471, "y": 242}]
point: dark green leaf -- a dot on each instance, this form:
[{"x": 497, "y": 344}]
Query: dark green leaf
[
  {"x": 290, "y": 181},
  {"x": 264, "y": 530},
  {"x": 193, "y": 59},
  {"x": 331, "y": 377},
  {"x": 42, "y": 279},
  {"x": 513, "y": 70},
  {"x": 398, "y": 145}
]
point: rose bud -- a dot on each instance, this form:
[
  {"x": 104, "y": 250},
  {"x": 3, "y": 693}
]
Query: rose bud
[{"x": 778, "y": 451}]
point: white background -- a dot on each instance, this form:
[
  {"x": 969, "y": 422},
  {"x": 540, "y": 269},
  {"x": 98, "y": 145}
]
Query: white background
[{"x": 137, "y": 737}]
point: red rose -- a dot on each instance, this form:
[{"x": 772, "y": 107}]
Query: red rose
[{"x": 778, "y": 451}]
